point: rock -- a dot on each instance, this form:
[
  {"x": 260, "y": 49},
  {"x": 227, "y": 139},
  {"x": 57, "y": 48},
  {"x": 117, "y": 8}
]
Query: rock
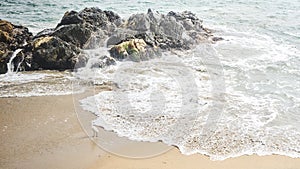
[
  {"x": 51, "y": 52},
  {"x": 12, "y": 37},
  {"x": 155, "y": 18},
  {"x": 188, "y": 20},
  {"x": 4, "y": 58},
  {"x": 124, "y": 49},
  {"x": 139, "y": 22},
  {"x": 45, "y": 32},
  {"x": 179, "y": 31},
  {"x": 6, "y": 26},
  {"x": 102, "y": 61},
  {"x": 134, "y": 50},
  {"x": 76, "y": 34},
  {"x": 148, "y": 38},
  {"x": 5, "y": 37},
  {"x": 86, "y": 26},
  {"x": 121, "y": 35},
  {"x": 37, "y": 43},
  {"x": 217, "y": 39},
  {"x": 141, "y": 37},
  {"x": 171, "y": 28},
  {"x": 94, "y": 16},
  {"x": 96, "y": 40},
  {"x": 113, "y": 17},
  {"x": 70, "y": 17}
]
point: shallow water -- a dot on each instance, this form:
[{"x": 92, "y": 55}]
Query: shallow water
[{"x": 37, "y": 83}]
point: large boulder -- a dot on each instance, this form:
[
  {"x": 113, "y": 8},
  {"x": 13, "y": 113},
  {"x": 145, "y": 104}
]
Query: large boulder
[
  {"x": 76, "y": 34},
  {"x": 83, "y": 28},
  {"x": 51, "y": 52},
  {"x": 179, "y": 31},
  {"x": 59, "y": 48},
  {"x": 93, "y": 16},
  {"x": 188, "y": 20},
  {"x": 171, "y": 28},
  {"x": 12, "y": 37},
  {"x": 139, "y": 22},
  {"x": 98, "y": 17}
]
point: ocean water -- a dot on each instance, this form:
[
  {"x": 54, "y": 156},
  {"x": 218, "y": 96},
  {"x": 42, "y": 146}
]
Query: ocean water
[{"x": 238, "y": 96}]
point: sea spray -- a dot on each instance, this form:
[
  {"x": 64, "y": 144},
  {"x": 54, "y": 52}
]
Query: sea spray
[{"x": 10, "y": 64}]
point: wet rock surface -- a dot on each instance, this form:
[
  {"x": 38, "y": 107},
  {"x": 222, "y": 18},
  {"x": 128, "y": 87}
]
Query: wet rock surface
[
  {"x": 51, "y": 52},
  {"x": 140, "y": 37},
  {"x": 12, "y": 37}
]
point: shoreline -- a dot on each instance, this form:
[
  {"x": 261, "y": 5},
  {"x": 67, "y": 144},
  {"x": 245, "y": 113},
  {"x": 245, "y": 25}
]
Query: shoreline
[{"x": 44, "y": 132}]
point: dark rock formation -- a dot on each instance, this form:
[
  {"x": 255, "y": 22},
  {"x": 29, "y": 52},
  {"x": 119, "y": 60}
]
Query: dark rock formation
[
  {"x": 78, "y": 27},
  {"x": 12, "y": 37},
  {"x": 51, "y": 52},
  {"x": 140, "y": 37},
  {"x": 75, "y": 34}
]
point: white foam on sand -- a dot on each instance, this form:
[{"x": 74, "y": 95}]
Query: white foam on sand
[
  {"x": 172, "y": 99},
  {"x": 26, "y": 84}
]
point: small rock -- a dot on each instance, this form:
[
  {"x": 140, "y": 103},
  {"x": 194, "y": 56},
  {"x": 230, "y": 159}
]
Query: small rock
[
  {"x": 135, "y": 50},
  {"x": 103, "y": 61},
  {"x": 217, "y": 39}
]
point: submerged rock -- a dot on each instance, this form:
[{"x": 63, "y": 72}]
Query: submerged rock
[{"x": 102, "y": 61}]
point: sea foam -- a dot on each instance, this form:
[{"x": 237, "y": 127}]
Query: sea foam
[{"x": 171, "y": 99}]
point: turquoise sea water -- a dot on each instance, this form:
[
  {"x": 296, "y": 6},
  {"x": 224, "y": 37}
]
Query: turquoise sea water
[
  {"x": 276, "y": 18},
  {"x": 260, "y": 60}
]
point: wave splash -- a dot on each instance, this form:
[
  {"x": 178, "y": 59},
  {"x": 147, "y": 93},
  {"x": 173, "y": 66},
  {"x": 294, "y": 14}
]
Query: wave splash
[{"x": 259, "y": 110}]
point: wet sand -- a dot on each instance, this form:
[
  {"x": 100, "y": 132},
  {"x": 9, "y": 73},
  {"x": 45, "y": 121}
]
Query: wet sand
[{"x": 44, "y": 132}]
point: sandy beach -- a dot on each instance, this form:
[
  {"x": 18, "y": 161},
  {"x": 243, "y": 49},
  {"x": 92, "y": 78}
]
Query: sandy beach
[{"x": 44, "y": 132}]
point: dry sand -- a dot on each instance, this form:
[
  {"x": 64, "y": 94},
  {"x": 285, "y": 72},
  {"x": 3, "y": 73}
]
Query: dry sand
[{"x": 43, "y": 132}]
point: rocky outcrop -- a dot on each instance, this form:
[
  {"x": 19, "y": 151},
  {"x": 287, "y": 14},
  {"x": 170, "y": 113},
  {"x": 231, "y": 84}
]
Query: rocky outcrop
[
  {"x": 78, "y": 27},
  {"x": 141, "y": 37},
  {"x": 171, "y": 31},
  {"x": 12, "y": 37},
  {"x": 74, "y": 34},
  {"x": 174, "y": 31},
  {"x": 51, "y": 52}
]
